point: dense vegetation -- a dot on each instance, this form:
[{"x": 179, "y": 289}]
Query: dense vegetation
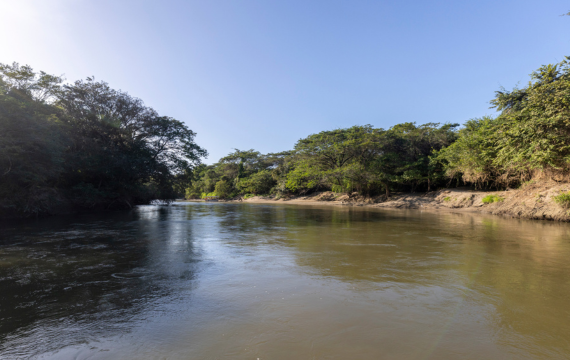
[
  {"x": 360, "y": 158},
  {"x": 529, "y": 138},
  {"x": 85, "y": 145}
]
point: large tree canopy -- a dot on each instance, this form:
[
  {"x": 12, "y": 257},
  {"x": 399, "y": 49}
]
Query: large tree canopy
[
  {"x": 95, "y": 147},
  {"x": 530, "y": 136},
  {"x": 360, "y": 158},
  {"x": 85, "y": 143}
]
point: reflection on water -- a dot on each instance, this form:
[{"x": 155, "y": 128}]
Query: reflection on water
[{"x": 244, "y": 281}]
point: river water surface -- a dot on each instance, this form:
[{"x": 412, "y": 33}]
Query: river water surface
[{"x": 252, "y": 281}]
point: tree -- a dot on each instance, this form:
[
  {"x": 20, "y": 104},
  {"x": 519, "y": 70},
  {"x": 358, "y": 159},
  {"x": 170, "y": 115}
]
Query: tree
[
  {"x": 258, "y": 183},
  {"x": 87, "y": 144},
  {"x": 32, "y": 145},
  {"x": 365, "y": 159},
  {"x": 409, "y": 149},
  {"x": 328, "y": 158},
  {"x": 528, "y": 138},
  {"x": 224, "y": 188}
]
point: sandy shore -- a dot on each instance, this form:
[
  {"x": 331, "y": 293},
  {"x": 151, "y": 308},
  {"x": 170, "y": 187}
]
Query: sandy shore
[{"x": 533, "y": 201}]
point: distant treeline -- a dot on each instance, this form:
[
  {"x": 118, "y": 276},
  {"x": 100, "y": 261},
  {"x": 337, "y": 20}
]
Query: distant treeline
[
  {"x": 85, "y": 146},
  {"x": 529, "y": 138}
]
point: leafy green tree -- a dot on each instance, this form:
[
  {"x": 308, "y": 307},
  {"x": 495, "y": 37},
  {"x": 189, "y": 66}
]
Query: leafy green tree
[
  {"x": 329, "y": 157},
  {"x": 32, "y": 145},
  {"x": 528, "y": 138},
  {"x": 124, "y": 152},
  {"x": 32, "y": 141},
  {"x": 471, "y": 157},
  {"x": 224, "y": 188},
  {"x": 85, "y": 144},
  {"x": 259, "y": 183},
  {"x": 367, "y": 160},
  {"x": 408, "y": 149}
]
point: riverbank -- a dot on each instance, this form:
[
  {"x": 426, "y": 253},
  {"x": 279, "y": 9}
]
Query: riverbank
[{"x": 532, "y": 201}]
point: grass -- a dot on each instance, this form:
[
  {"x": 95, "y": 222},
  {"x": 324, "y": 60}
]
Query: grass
[
  {"x": 489, "y": 199},
  {"x": 247, "y": 196},
  {"x": 563, "y": 199},
  {"x": 447, "y": 198}
]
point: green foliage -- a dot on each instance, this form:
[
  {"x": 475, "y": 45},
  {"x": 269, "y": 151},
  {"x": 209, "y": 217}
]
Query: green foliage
[
  {"x": 259, "y": 183},
  {"x": 563, "y": 199},
  {"x": 192, "y": 193},
  {"x": 447, "y": 198},
  {"x": 244, "y": 172},
  {"x": 489, "y": 199},
  {"x": 333, "y": 158},
  {"x": 338, "y": 188},
  {"x": 203, "y": 195},
  {"x": 530, "y": 134},
  {"x": 95, "y": 147},
  {"x": 360, "y": 158},
  {"x": 472, "y": 155},
  {"x": 371, "y": 160},
  {"x": 86, "y": 145},
  {"x": 224, "y": 189}
]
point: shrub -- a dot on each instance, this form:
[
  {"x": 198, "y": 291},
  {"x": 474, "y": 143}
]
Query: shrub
[
  {"x": 489, "y": 199},
  {"x": 192, "y": 193},
  {"x": 527, "y": 138},
  {"x": 224, "y": 189},
  {"x": 258, "y": 183},
  {"x": 337, "y": 189},
  {"x": 563, "y": 199}
]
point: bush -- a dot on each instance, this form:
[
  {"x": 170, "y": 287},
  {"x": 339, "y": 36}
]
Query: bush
[
  {"x": 489, "y": 199},
  {"x": 224, "y": 189},
  {"x": 192, "y": 193},
  {"x": 208, "y": 194},
  {"x": 337, "y": 189},
  {"x": 258, "y": 183},
  {"x": 529, "y": 136},
  {"x": 563, "y": 199}
]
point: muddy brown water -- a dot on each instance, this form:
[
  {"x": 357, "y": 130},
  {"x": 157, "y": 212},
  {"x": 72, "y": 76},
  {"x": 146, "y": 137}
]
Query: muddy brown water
[{"x": 264, "y": 281}]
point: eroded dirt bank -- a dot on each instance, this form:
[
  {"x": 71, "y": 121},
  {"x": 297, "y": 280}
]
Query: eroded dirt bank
[{"x": 533, "y": 201}]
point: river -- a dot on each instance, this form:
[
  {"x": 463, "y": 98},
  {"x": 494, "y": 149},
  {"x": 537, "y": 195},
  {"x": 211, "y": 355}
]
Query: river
[{"x": 265, "y": 281}]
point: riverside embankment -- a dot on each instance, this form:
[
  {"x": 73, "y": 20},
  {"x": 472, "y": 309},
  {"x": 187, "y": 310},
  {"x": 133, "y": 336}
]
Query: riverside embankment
[{"x": 532, "y": 201}]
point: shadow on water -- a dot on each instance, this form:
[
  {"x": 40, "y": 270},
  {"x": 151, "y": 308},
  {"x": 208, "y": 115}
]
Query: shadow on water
[{"x": 66, "y": 280}]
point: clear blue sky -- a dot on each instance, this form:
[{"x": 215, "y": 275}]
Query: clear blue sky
[{"x": 263, "y": 74}]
